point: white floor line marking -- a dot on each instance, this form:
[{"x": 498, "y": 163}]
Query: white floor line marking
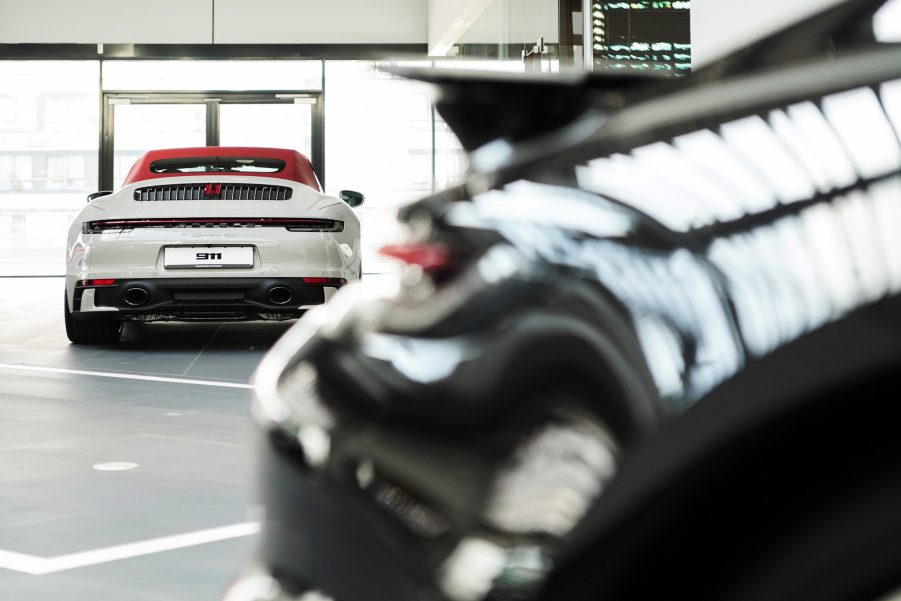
[
  {"x": 20, "y": 562},
  {"x": 31, "y": 564},
  {"x": 220, "y": 443},
  {"x": 106, "y": 374}
]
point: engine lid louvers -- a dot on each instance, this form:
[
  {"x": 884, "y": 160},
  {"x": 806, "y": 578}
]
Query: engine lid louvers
[{"x": 213, "y": 191}]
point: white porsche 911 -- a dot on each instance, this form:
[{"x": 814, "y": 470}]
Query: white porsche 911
[{"x": 208, "y": 233}]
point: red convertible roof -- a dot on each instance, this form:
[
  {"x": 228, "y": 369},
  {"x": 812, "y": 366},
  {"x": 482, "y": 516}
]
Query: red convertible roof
[{"x": 224, "y": 160}]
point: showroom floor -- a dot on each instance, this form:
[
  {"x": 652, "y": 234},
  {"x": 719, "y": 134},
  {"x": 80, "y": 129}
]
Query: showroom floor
[{"x": 125, "y": 470}]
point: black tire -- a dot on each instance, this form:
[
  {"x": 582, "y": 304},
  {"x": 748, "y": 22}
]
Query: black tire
[{"x": 91, "y": 331}]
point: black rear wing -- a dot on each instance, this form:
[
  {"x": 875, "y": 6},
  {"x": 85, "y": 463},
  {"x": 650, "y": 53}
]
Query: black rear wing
[{"x": 480, "y": 106}]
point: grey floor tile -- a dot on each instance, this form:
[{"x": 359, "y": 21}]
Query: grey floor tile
[
  {"x": 193, "y": 445},
  {"x": 199, "y": 573},
  {"x": 60, "y": 587}
]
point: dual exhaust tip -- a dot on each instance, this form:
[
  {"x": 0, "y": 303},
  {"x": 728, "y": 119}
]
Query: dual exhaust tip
[
  {"x": 280, "y": 295},
  {"x": 277, "y": 295},
  {"x": 135, "y": 296}
]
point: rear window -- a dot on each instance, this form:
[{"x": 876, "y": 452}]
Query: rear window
[{"x": 217, "y": 165}]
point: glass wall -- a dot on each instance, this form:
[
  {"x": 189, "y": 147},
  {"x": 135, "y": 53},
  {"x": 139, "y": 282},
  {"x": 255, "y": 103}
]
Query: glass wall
[
  {"x": 141, "y": 127},
  {"x": 274, "y": 125},
  {"x": 164, "y": 103},
  {"x": 49, "y": 138},
  {"x": 190, "y": 75},
  {"x": 549, "y": 35},
  {"x": 382, "y": 137},
  {"x": 524, "y": 33}
]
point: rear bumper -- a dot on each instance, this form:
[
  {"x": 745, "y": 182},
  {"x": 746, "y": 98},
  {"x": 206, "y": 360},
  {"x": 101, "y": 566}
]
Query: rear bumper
[
  {"x": 328, "y": 537},
  {"x": 186, "y": 298}
]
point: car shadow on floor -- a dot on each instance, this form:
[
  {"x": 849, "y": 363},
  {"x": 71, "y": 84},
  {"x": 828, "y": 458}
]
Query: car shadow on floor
[
  {"x": 226, "y": 351},
  {"x": 180, "y": 336}
]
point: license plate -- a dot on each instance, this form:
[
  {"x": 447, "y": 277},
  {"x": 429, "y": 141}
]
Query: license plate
[{"x": 190, "y": 257}]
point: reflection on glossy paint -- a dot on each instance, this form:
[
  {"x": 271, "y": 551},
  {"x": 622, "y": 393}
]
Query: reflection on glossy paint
[
  {"x": 787, "y": 276},
  {"x": 887, "y": 211},
  {"x": 752, "y": 139},
  {"x": 755, "y": 291},
  {"x": 538, "y": 496},
  {"x": 571, "y": 209},
  {"x": 703, "y": 197},
  {"x": 863, "y": 128},
  {"x": 799, "y": 147},
  {"x": 891, "y": 101},
  {"x": 614, "y": 176},
  {"x": 718, "y": 158},
  {"x": 665, "y": 353},
  {"x": 299, "y": 411},
  {"x": 419, "y": 359},
  {"x": 470, "y": 571},
  {"x": 553, "y": 478},
  {"x": 822, "y": 143},
  {"x": 260, "y": 586},
  {"x": 856, "y": 213},
  {"x": 675, "y": 285},
  {"x": 499, "y": 263},
  {"x": 791, "y": 273},
  {"x": 701, "y": 178},
  {"x": 887, "y": 22},
  {"x": 302, "y": 402},
  {"x": 802, "y": 271}
]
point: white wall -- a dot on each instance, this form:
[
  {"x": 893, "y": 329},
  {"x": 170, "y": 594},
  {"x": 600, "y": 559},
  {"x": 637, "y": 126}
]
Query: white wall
[
  {"x": 321, "y": 21},
  {"x": 721, "y": 26},
  {"x": 108, "y": 21},
  {"x": 236, "y": 21},
  {"x": 513, "y": 22}
]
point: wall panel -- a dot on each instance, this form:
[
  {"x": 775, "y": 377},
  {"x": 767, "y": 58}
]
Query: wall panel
[
  {"x": 721, "y": 26},
  {"x": 318, "y": 22},
  {"x": 107, "y": 21}
]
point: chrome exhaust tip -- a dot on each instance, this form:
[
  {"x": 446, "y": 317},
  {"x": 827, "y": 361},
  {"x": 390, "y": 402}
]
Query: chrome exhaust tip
[
  {"x": 135, "y": 296},
  {"x": 280, "y": 295}
]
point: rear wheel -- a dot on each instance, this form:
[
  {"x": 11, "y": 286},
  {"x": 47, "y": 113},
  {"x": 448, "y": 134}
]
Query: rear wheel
[{"x": 91, "y": 331}]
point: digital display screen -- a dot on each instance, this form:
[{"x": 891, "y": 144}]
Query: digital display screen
[{"x": 647, "y": 35}]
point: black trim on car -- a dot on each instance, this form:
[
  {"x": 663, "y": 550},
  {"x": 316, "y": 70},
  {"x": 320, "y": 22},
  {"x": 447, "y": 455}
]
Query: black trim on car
[
  {"x": 199, "y": 297},
  {"x": 291, "y": 224},
  {"x": 213, "y": 191}
]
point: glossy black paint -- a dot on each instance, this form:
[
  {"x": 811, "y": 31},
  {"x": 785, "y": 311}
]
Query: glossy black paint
[{"x": 657, "y": 364}]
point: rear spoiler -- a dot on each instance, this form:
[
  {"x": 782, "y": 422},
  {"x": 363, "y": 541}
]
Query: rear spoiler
[{"x": 481, "y": 106}]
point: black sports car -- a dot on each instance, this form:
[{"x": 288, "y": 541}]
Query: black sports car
[{"x": 640, "y": 353}]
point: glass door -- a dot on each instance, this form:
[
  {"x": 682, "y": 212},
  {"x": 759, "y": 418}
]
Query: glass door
[
  {"x": 138, "y": 128},
  {"x": 134, "y": 123},
  {"x": 274, "y": 125}
]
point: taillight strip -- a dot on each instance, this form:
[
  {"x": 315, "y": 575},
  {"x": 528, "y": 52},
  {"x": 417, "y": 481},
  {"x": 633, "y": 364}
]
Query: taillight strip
[
  {"x": 430, "y": 257},
  {"x": 315, "y": 281},
  {"x": 96, "y": 283},
  {"x": 291, "y": 224}
]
